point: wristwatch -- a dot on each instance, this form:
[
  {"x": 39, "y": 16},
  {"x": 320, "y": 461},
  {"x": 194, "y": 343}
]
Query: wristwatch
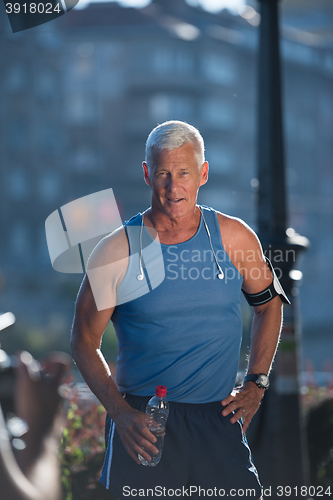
[{"x": 261, "y": 379}]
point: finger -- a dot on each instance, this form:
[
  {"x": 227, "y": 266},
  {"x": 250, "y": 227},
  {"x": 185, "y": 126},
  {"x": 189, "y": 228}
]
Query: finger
[
  {"x": 237, "y": 415},
  {"x": 144, "y": 452},
  {"x": 143, "y": 438},
  {"x": 228, "y": 400},
  {"x": 144, "y": 431},
  {"x": 148, "y": 434},
  {"x": 143, "y": 448},
  {"x": 131, "y": 446},
  {"x": 133, "y": 455},
  {"x": 147, "y": 445},
  {"x": 232, "y": 407},
  {"x": 134, "y": 449},
  {"x": 231, "y": 397},
  {"x": 227, "y": 411}
]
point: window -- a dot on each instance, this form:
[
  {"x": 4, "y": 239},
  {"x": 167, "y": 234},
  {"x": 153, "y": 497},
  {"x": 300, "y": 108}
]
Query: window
[
  {"x": 168, "y": 60},
  {"x": 16, "y": 78},
  {"x": 296, "y": 52},
  {"x": 86, "y": 159},
  {"x": 328, "y": 63},
  {"x": 162, "y": 60},
  {"x": 218, "y": 68},
  {"x": 18, "y": 185},
  {"x": 307, "y": 132},
  {"x": 20, "y": 239},
  {"x": 170, "y": 107},
  {"x": 48, "y": 186},
  {"x": 42, "y": 248},
  {"x": 17, "y": 135},
  {"x": 84, "y": 62},
  {"x": 220, "y": 158},
  {"x": 45, "y": 86},
  {"x": 82, "y": 109},
  {"x": 291, "y": 125},
  {"x": 48, "y": 138},
  {"x": 217, "y": 113}
]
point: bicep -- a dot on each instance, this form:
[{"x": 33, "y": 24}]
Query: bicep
[
  {"x": 245, "y": 252},
  {"x": 256, "y": 276},
  {"x": 256, "y": 273},
  {"x": 106, "y": 269},
  {"x": 97, "y": 298}
]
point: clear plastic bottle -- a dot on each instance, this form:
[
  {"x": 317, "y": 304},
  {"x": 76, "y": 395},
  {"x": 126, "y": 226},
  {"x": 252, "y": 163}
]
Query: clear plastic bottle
[{"x": 158, "y": 408}]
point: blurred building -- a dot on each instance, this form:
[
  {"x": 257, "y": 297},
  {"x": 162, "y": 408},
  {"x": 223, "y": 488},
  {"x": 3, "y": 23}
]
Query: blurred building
[{"x": 79, "y": 96}]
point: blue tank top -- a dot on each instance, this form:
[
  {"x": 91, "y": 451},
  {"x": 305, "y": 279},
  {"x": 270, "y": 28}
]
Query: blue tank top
[{"x": 184, "y": 329}]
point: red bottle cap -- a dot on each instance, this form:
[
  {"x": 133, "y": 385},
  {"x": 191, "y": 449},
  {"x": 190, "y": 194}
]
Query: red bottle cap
[{"x": 160, "y": 391}]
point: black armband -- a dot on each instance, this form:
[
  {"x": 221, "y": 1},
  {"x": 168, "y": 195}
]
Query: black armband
[{"x": 274, "y": 289}]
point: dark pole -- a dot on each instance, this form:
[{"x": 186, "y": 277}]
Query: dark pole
[
  {"x": 272, "y": 199},
  {"x": 276, "y": 434}
]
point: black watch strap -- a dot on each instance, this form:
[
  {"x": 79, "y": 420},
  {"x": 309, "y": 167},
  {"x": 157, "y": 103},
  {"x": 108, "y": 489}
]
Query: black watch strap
[{"x": 258, "y": 379}]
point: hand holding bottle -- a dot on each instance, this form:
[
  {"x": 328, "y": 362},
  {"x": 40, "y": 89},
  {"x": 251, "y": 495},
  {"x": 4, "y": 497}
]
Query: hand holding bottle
[
  {"x": 132, "y": 426},
  {"x": 158, "y": 410}
]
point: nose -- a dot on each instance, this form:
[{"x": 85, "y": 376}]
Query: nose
[{"x": 171, "y": 183}]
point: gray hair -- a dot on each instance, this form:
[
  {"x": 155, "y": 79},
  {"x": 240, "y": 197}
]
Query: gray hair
[{"x": 171, "y": 135}]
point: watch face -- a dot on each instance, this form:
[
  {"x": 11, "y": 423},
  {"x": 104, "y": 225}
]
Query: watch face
[{"x": 263, "y": 381}]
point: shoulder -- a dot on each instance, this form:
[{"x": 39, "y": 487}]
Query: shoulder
[
  {"x": 112, "y": 248},
  {"x": 106, "y": 269},
  {"x": 236, "y": 234},
  {"x": 244, "y": 249}
]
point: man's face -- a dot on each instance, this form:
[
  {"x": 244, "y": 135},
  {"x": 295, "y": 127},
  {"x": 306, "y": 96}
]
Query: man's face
[{"x": 175, "y": 180}]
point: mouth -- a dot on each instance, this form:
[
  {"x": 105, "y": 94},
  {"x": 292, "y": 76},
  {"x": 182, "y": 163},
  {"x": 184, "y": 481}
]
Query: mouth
[{"x": 175, "y": 200}]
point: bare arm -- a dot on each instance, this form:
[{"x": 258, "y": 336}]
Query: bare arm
[
  {"x": 267, "y": 322},
  {"x": 88, "y": 328},
  {"x": 265, "y": 333}
]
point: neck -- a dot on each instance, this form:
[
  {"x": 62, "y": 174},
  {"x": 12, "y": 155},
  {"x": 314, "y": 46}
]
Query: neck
[{"x": 173, "y": 230}]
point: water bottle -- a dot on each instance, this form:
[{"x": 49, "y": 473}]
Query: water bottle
[{"x": 158, "y": 408}]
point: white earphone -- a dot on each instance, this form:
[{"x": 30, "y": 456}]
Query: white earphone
[
  {"x": 220, "y": 275},
  {"x": 141, "y": 275}
]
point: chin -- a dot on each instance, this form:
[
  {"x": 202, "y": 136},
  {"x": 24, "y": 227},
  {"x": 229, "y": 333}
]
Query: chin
[{"x": 177, "y": 212}]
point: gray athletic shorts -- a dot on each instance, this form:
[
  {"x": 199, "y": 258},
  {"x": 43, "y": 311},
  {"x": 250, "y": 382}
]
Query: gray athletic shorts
[{"x": 204, "y": 455}]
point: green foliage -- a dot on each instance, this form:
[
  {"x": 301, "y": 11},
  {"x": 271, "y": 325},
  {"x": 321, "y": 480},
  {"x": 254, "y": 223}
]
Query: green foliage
[
  {"x": 55, "y": 336},
  {"x": 36, "y": 340},
  {"x": 82, "y": 450},
  {"x": 287, "y": 346}
]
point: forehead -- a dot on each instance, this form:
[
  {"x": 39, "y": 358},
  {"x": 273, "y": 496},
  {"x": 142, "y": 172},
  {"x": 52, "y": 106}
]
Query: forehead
[{"x": 184, "y": 155}]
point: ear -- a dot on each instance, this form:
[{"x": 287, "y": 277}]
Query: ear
[
  {"x": 146, "y": 173},
  {"x": 204, "y": 173}
]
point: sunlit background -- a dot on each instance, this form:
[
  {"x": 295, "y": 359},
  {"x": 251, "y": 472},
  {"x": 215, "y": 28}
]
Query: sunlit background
[
  {"x": 81, "y": 93},
  {"x": 210, "y": 5},
  {"x": 79, "y": 96}
]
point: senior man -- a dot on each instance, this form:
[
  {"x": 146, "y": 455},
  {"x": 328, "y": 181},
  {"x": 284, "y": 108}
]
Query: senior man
[{"x": 184, "y": 334}]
